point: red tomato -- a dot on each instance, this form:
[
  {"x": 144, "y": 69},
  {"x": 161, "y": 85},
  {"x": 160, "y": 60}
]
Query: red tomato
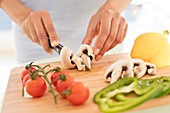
[
  {"x": 25, "y": 72},
  {"x": 55, "y": 76},
  {"x": 36, "y": 87},
  {"x": 79, "y": 93},
  {"x": 63, "y": 85},
  {"x": 25, "y": 79}
]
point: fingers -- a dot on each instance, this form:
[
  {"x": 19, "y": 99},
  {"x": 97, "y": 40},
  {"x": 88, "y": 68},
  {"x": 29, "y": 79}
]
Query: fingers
[
  {"x": 38, "y": 27},
  {"x": 110, "y": 38},
  {"x": 120, "y": 34},
  {"x": 110, "y": 29},
  {"x": 50, "y": 29},
  {"x": 41, "y": 33},
  {"x": 104, "y": 32},
  {"x": 121, "y": 30},
  {"x": 33, "y": 34},
  {"x": 91, "y": 31},
  {"x": 25, "y": 30}
]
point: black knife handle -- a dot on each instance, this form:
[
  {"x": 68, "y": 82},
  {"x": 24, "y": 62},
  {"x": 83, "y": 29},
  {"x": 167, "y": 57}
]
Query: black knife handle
[{"x": 57, "y": 48}]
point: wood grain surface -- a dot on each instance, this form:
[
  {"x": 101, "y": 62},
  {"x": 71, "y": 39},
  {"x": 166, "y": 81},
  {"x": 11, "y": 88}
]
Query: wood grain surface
[{"x": 15, "y": 103}]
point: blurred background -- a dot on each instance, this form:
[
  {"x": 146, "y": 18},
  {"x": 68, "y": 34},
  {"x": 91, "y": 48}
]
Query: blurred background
[
  {"x": 142, "y": 16},
  {"x": 7, "y": 51}
]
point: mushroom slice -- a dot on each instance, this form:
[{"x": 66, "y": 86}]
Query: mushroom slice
[
  {"x": 66, "y": 55},
  {"x": 139, "y": 67},
  {"x": 119, "y": 69},
  {"x": 86, "y": 53},
  {"x": 151, "y": 68},
  {"x": 86, "y": 61},
  {"x": 115, "y": 75},
  {"x": 79, "y": 62}
]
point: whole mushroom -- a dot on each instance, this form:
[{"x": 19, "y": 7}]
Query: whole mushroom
[{"x": 66, "y": 55}]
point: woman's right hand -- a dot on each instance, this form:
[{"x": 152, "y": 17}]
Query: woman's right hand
[{"x": 38, "y": 27}]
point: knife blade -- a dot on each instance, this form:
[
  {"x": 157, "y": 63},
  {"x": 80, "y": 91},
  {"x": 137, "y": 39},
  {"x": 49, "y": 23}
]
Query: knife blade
[{"x": 58, "y": 49}]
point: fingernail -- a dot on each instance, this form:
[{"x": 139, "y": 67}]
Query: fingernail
[
  {"x": 96, "y": 51},
  {"x": 98, "y": 57},
  {"x": 54, "y": 43}
]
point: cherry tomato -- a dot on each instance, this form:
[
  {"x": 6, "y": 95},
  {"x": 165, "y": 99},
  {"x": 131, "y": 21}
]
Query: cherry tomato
[
  {"x": 25, "y": 72},
  {"x": 64, "y": 84},
  {"x": 79, "y": 93},
  {"x": 36, "y": 87},
  {"x": 55, "y": 76},
  {"x": 25, "y": 79}
]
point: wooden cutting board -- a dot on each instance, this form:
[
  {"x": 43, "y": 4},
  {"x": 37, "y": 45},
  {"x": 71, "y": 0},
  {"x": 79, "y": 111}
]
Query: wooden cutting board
[{"x": 15, "y": 103}]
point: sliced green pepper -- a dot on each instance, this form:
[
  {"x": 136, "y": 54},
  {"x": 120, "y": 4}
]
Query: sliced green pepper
[{"x": 128, "y": 93}]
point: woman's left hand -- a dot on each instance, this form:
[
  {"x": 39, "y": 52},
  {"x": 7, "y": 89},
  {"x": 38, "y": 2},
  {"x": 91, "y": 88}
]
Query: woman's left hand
[{"x": 109, "y": 27}]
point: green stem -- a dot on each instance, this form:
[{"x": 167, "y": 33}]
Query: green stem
[
  {"x": 49, "y": 83},
  {"x": 57, "y": 69},
  {"x": 46, "y": 66},
  {"x": 34, "y": 74},
  {"x": 51, "y": 89}
]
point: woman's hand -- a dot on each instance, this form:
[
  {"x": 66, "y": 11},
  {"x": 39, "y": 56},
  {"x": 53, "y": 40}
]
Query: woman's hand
[
  {"x": 38, "y": 27},
  {"x": 109, "y": 27}
]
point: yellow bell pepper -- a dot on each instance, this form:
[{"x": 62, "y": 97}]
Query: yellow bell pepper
[{"x": 152, "y": 47}]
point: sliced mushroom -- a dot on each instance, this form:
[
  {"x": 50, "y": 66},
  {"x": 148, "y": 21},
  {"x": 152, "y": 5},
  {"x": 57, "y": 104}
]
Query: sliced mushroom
[
  {"x": 86, "y": 53},
  {"x": 66, "y": 55},
  {"x": 128, "y": 68},
  {"x": 78, "y": 61},
  {"x": 119, "y": 69},
  {"x": 151, "y": 68},
  {"x": 113, "y": 76},
  {"x": 139, "y": 67},
  {"x": 86, "y": 60}
]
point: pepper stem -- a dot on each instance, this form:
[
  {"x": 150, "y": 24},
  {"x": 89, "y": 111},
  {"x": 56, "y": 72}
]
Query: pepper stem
[{"x": 166, "y": 32}]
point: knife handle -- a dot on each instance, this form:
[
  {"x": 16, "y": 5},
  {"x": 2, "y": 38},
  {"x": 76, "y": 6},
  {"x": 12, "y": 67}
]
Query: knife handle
[{"x": 57, "y": 48}]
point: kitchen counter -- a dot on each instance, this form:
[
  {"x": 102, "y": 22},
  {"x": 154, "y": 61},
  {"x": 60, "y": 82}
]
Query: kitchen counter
[{"x": 5, "y": 72}]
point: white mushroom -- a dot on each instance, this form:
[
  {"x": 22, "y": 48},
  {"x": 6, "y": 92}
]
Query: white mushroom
[
  {"x": 151, "y": 68},
  {"x": 86, "y": 53},
  {"x": 119, "y": 69},
  {"x": 78, "y": 61},
  {"x": 66, "y": 55},
  {"x": 139, "y": 67},
  {"x": 86, "y": 60},
  {"x": 70, "y": 60},
  {"x": 128, "y": 68}
]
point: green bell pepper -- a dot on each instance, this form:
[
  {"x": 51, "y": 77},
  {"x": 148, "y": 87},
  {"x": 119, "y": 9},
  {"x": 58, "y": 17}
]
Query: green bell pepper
[{"x": 128, "y": 93}]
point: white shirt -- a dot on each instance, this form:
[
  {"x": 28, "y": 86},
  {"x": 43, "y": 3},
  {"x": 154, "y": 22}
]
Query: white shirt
[{"x": 70, "y": 19}]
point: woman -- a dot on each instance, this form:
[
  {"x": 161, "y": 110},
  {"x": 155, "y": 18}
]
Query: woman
[{"x": 65, "y": 22}]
